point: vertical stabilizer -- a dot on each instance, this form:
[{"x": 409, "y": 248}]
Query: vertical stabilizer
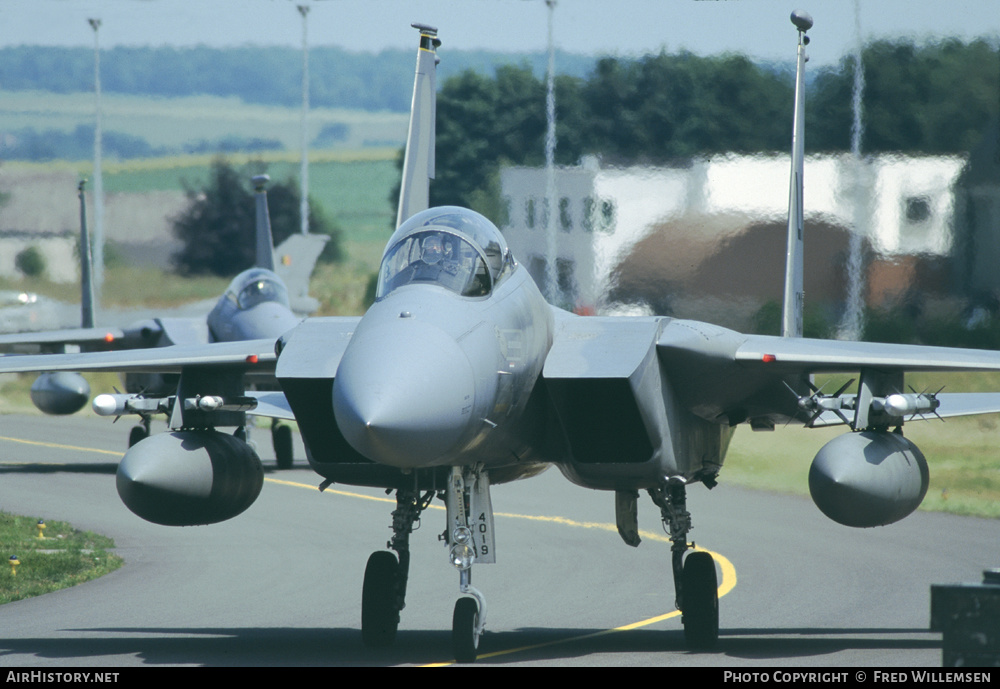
[
  {"x": 791, "y": 315},
  {"x": 294, "y": 262},
  {"x": 418, "y": 164},
  {"x": 265, "y": 245},
  {"x": 86, "y": 265}
]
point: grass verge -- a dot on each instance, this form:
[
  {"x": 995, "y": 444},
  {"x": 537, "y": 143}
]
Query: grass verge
[{"x": 64, "y": 558}]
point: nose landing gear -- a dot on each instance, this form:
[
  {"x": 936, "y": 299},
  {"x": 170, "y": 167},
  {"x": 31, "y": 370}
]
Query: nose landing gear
[{"x": 470, "y": 539}]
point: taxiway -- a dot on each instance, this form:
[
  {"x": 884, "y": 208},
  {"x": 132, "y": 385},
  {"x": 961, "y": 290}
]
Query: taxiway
[{"x": 281, "y": 584}]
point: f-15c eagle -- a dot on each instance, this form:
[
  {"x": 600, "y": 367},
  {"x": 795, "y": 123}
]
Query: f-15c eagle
[
  {"x": 461, "y": 377},
  {"x": 257, "y": 304}
]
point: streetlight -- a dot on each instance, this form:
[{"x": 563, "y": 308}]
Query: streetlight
[
  {"x": 552, "y": 276},
  {"x": 304, "y": 174},
  {"x": 98, "y": 241}
]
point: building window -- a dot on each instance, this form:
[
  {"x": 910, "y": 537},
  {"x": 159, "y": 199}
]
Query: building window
[
  {"x": 918, "y": 209},
  {"x": 566, "y": 276},
  {"x": 565, "y": 218},
  {"x": 537, "y": 266},
  {"x": 529, "y": 212},
  {"x": 588, "y": 214},
  {"x": 606, "y": 218}
]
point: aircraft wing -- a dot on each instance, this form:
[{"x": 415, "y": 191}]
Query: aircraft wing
[
  {"x": 152, "y": 332},
  {"x": 271, "y": 404},
  {"x": 803, "y": 355},
  {"x": 724, "y": 374},
  {"x": 728, "y": 377},
  {"x": 71, "y": 336},
  {"x": 256, "y": 356}
]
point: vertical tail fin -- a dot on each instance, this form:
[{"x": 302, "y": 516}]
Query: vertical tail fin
[
  {"x": 791, "y": 315},
  {"x": 265, "y": 244},
  {"x": 86, "y": 266},
  {"x": 418, "y": 165}
]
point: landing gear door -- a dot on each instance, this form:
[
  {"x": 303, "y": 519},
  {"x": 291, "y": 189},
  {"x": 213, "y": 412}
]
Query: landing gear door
[{"x": 481, "y": 519}]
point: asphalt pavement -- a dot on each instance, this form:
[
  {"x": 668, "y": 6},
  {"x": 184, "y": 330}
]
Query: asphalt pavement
[{"x": 281, "y": 583}]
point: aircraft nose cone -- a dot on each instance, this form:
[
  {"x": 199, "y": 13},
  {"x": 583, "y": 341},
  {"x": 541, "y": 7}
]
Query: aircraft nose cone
[
  {"x": 267, "y": 319},
  {"x": 403, "y": 396}
]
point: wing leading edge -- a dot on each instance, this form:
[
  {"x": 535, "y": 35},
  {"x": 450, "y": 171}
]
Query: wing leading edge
[{"x": 256, "y": 356}]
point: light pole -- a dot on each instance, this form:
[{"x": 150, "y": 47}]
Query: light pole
[
  {"x": 98, "y": 240},
  {"x": 304, "y": 174},
  {"x": 552, "y": 275}
]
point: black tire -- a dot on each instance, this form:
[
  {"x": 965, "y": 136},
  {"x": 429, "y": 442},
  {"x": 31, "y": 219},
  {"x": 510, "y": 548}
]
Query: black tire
[
  {"x": 701, "y": 602},
  {"x": 136, "y": 434},
  {"x": 464, "y": 639},
  {"x": 281, "y": 437},
  {"x": 379, "y": 615}
]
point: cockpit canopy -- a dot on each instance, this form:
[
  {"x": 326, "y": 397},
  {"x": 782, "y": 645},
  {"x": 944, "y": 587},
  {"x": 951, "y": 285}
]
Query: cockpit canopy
[
  {"x": 452, "y": 247},
  {"x": 256, "y": 286}
]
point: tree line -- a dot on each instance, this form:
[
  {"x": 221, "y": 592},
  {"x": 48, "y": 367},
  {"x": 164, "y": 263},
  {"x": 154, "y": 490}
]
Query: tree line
[
  {"x": 266, "y": 75},
  {"x": 935, "y": 98},
  {"x": 217, "y": 228}
]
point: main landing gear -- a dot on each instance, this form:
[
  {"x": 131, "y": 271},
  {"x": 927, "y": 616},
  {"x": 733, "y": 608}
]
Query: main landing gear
[
  {"x": 695, "y": 583},
  {"x": 383, "y": 595},
  {"x": 139, "y": 432},
  {"x": 281, "y": 438},
  {"x": 469, "y": 537}
]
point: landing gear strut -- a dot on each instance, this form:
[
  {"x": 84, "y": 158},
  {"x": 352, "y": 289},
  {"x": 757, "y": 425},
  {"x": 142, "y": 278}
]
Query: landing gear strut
[
  {"x": 383, "y": 595},
  {"x": 470, "y": 539},
  {"x": 695, "y": 582}
]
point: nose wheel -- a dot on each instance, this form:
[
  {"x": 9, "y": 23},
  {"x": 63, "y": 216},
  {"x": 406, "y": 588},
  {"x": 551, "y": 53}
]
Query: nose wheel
[
  {"x": 470, "y": 539},
  {"x": 465, "y": 630}
]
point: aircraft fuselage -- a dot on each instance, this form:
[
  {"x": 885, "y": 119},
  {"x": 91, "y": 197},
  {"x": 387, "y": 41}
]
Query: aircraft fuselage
[{"x": 434, "y": 378}]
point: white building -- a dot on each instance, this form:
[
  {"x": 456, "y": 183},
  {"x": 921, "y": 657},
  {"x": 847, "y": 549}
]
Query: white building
[{"x": 903, "y": 205}]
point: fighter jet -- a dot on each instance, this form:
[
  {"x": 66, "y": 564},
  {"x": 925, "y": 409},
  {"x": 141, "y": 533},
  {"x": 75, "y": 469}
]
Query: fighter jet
[
  {"x": 256, "y": 304},
  {"x": 461, "y": 377}
]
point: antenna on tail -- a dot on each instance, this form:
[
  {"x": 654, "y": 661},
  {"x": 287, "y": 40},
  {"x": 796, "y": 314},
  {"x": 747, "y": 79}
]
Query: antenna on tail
[
  {"x": 418, "y": 165},
  {"x": 791, "y": 315}
]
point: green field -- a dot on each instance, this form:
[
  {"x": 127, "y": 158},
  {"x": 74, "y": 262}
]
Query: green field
[
  {"x": 175, "y": 122},
  {"x": 351, "y": 182},
  {"x": 352, "y": 188}
]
